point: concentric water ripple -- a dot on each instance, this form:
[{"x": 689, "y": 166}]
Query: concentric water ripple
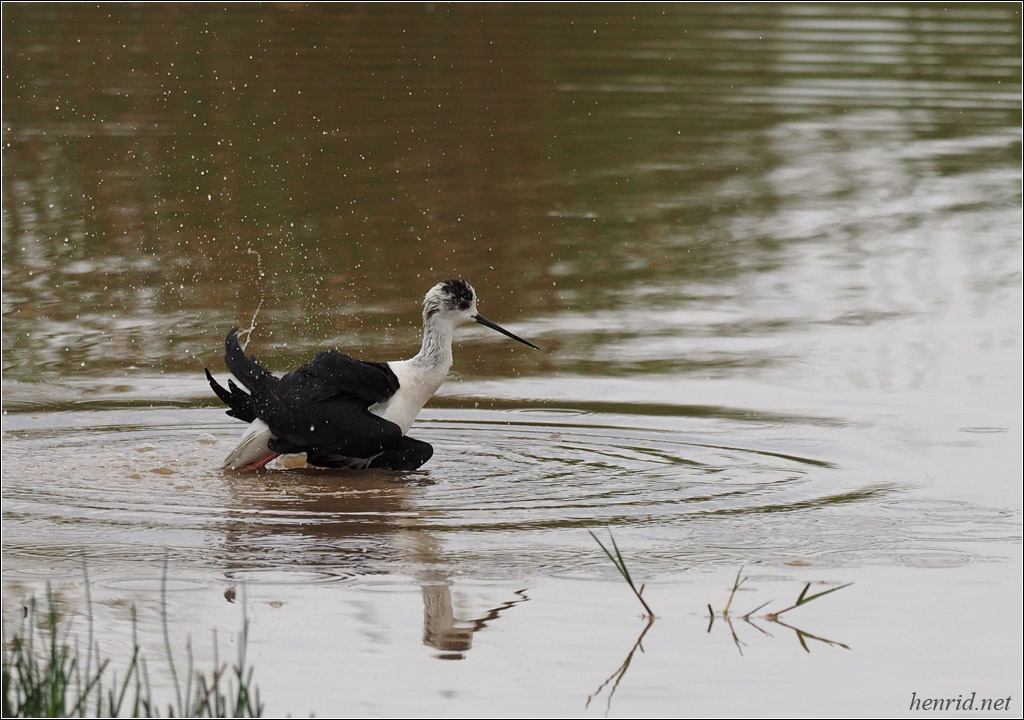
[{"x": 508, "y": 492}]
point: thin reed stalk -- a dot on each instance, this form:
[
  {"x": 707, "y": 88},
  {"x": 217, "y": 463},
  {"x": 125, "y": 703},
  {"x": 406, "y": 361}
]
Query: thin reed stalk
[{"x": 45, "y": 674}]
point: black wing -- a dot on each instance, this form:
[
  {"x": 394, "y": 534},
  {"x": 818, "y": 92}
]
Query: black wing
[
  {"x": 321, "y": 408},
  {"x": 247, "y": 369},
  {"x": 332, "y": 374}
]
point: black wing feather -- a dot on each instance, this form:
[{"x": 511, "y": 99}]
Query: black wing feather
[
  {"x": 247, "y": 369},
  {"x": 332, "y": 374}
]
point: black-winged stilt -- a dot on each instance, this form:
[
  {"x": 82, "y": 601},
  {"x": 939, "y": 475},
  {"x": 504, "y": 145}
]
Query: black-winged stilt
[{"x": 344, "y": 412}]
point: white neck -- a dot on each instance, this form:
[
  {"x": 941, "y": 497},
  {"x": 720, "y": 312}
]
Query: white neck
[
  {"x": 436, "y": 351},
  {"x": 419, "y": 377}
]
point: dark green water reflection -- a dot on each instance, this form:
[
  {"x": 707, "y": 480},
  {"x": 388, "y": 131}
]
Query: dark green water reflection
[{"x": 580, "y": 166}]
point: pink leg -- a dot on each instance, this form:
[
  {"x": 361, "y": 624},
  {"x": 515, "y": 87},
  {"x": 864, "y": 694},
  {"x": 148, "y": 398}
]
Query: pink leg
[{"x": 259, "y": 463}]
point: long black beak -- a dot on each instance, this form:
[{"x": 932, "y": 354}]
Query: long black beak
[{"x": 495, "y": 326}]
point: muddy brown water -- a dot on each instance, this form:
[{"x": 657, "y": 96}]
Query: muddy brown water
[{"x": 772, "y": 256}]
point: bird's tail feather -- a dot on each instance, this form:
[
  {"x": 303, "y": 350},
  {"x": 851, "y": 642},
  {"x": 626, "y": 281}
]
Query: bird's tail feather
[{"x": 235, "y": 398}]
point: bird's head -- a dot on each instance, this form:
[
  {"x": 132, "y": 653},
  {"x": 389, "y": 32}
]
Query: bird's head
[
  {"x": 451, "y": 300},
  {"x": 454, "y": 302}
]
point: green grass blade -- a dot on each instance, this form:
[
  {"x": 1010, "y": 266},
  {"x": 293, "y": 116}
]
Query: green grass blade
[
  {"x": 803, "y": 599},
  {"x": 620, "y": 564}
]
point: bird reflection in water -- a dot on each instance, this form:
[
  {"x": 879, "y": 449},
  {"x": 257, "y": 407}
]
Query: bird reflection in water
[{"x": 451, "y": 636}]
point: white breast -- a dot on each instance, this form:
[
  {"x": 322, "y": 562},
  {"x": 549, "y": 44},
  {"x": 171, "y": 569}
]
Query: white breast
[{"x": 417, "y": 384}]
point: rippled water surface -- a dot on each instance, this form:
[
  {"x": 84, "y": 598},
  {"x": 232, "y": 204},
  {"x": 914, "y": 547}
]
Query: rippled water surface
[{"x": 772, "y": 256}]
